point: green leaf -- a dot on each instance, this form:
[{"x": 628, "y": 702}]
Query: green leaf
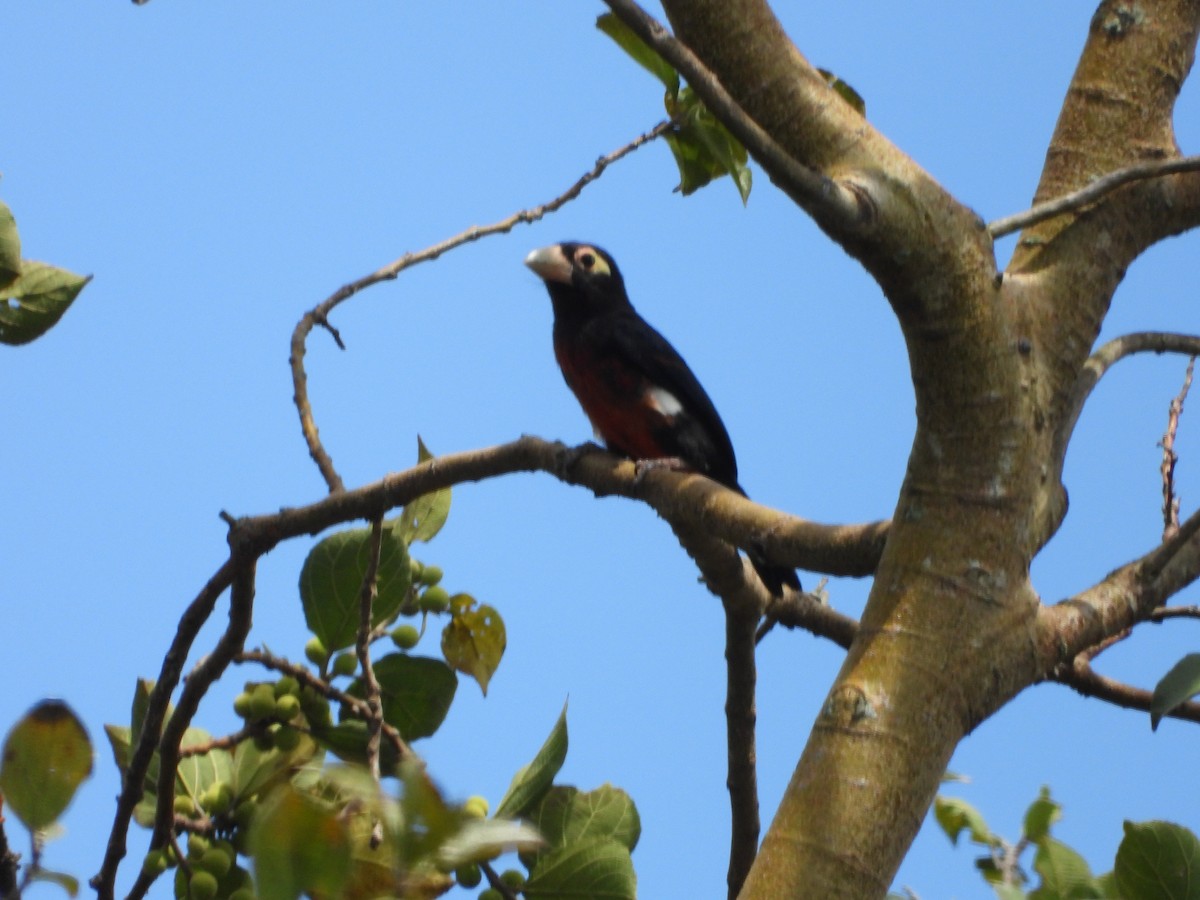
[
  {"x": 1042, "y": 813},
  {"x": 704, "y": 149},
  {"x": 1065, "y": 874},
  {"x": 199, "y": 771},
  {"x": 600, "y": 868},
  {"x": 429, "y": 822},
  {"x": 956, "y": 815},
  {"x": 566, "y": 815},
  {"x": 1009, "y": 892},
  {"x": 47, "y": 755},
  {"x": 332, "y": 578},
  {"x": 641, "y": 52},
  {"x": 480, "y": 840},
  {"x": 1158, "y": 861},
  {"x": 10, "y": 247},
  {"x": 1180, "y": 684},
  {"x": 69, "y": 883},
  {"x": 254, "y": 771},
  {"x": 473, "y": 642},
  {"x": 348, "y": 740},
  {"x": 424, "y": 517},
  {"x": 416, "y": 692},
  {"x": 30, "y": 305},
  {"x": 843, "y": 90},
  {"x": 533, "y": 780},
  {"x": 299, "y": 845}
]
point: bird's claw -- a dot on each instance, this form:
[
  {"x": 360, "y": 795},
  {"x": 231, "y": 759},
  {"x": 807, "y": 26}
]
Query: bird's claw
[{"x": 642, "y": 466}]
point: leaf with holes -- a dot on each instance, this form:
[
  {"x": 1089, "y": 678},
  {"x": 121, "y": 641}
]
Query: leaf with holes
[
  {"x": 47, "y": 755},
  {"x": 473, "y": 643}
]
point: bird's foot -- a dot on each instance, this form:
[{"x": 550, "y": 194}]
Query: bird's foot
[{"x": 642, "y": 466}]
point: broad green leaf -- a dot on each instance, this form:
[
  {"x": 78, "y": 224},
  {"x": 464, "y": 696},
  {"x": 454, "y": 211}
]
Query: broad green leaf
[
  {"x": 141, "y": 703},
  {"x": 69, "y": 883},
  {"x": 199, "y": 771},
  {"x": 843, "y": 90},
  {"x": 727, "y": 152},
  {"x": 30, "y": 305},
  {"x": 255, "y": 771},
  {"x": 1180, "y": 684},
  {"x": 567, "y": 815},
  {"x": 599, "y": 868},
  {"x": 47, "y": 755},
  {"x": 1042, "y": 813},
  {"x": 331, "y": 584},
  {"x": 424, "y": 517},
  {"x": 1065, "y": 874},
  {"x": 641, "y": 52},
  {"x": 1158, "y": 861},
  {"x": 300, "y": 845},
  {"x": 704, "y": 149},
  {"x": 956, "y": 816},
  {"x": 10, "y": 247},
  {"x": 473, "y": 642},
  {"x": 348, "y": 741},
  {"x": 416, "y": 692},
  {"x": 480, "y": 840},
  {"x": 533, "y": 780}
]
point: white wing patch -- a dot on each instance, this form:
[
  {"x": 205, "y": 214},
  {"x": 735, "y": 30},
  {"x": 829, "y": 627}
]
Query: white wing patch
[{"x": 664, "y": 401}]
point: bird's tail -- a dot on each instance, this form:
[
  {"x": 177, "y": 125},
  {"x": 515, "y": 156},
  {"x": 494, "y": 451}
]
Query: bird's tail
[{"x": 772, "y": 575}]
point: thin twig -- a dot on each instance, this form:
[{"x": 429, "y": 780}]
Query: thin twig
[
  {"x": 133, "y": 783},
  {"x": 741, "y": 717},
  {"x": 206, "y": 673},
  {"x": 228, "y": 742},
  {"x": 1175, "y": 612},
  {"x": 1105, "y": 184},
  {"x": 371, "y": 691},
  {"x": 1081, "y": 677},
  {"x": 826, "y": 199},
  {"x": 356, "y": 705},
  {"x": 1170, "y": 507},
  {"x": 319, "y": 314}
]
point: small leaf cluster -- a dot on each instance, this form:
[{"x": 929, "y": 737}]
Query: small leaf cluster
[
  {"x": 703, "y": 147},
  {"x": 1155, "y": 860},
  {"x": 33, "y": 295}
]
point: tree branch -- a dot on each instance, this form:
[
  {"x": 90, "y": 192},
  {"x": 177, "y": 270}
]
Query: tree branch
[
  {"x": 838, "y": 205},
  {"x": 1110, "y": 354},
  {"x": 319, "y": 314},
  {"x": 1170, "y": 506},
  {"x": 1085, "y": 196},
  {"x": 132, "y": 785},
  {"x": 1082, "y": 678}
]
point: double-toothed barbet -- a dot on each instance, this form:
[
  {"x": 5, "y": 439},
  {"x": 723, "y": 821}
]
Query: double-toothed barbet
[{"x": 641, "y": 397}]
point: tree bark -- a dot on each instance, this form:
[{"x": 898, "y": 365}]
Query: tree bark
[{"x": 953, "y": 628}]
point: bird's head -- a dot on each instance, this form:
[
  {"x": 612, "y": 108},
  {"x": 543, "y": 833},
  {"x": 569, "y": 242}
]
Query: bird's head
[{"x": 582, "y": 278}]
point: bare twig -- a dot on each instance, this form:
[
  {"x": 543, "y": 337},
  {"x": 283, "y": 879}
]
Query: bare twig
[
  {"x": 1175, "y": 612},
  {"x": 1105, "y": 184},
  {"x": 366, "y": 604},
  {"x": 319, "y": 314},
  {"x": 1081, "y": 677},
  {"x": 356, "y": 705},
  {"x": 741, "y": 716},
  {"x": 228, "y": 742},
  {"x": 1110, "y": 354},
  {"x": 826, "y": 199},
  {"x": 132, "y": 785},
  {"x": 1170, "y": 507}
]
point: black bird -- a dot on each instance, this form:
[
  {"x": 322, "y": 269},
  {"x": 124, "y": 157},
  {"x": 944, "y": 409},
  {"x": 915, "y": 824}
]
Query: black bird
[{"x": 641, "y": 397}]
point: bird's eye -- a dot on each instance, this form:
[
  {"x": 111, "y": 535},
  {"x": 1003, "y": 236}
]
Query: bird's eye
[{"x": 590, "y": 261}]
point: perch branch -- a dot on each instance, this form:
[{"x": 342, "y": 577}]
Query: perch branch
[{"x": 320, "y": 313}]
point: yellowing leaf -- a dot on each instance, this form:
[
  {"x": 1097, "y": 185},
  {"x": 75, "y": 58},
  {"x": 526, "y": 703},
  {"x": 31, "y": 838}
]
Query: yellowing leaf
[
  {"x": 47, "y": 755},
  {"x": 473, "y": 642}
]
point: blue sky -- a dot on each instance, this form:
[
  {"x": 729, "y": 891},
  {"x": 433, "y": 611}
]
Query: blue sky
[{"x": 222, "y": 167}]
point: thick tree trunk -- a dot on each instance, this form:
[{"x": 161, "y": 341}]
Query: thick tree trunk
[{"x": 952, "y": 630}]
